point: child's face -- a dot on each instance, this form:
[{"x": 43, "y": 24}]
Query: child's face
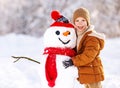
[{"x": 80, "y": 24}]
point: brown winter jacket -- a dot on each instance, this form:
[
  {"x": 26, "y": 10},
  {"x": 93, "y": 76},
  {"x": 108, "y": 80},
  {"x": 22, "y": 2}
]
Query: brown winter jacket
[{"x": 87, "y": 60}]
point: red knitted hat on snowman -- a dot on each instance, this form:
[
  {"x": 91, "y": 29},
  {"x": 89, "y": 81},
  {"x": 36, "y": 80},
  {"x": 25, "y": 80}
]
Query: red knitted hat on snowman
[{"x": 60, "y": 20}]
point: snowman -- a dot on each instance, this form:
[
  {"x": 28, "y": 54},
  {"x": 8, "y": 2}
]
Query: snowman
[{"x": 56, "y": 68}]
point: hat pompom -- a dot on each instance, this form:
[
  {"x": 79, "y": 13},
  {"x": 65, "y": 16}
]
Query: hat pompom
[{"x": 55, "y": 15}]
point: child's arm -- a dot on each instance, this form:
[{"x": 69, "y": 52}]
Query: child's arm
[{"x": 89, "y": 53}]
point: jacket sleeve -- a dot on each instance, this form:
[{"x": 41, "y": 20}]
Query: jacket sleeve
[{"x": 89, "y": 53}]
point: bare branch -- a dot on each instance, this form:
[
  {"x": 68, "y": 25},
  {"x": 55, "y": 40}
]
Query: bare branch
[{"x": 21, "y": 57}]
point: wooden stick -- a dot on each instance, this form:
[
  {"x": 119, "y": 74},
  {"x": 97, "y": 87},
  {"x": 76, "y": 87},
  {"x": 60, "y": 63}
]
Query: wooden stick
[{"x": 22, "y": 57}]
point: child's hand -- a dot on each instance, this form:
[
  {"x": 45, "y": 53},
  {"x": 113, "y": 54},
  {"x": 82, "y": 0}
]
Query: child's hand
[{"x": 67, "y": 63}]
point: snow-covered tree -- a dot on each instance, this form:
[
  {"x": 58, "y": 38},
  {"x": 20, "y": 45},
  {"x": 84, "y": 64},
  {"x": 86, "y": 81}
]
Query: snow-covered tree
[{"x": 33, "y": 16}]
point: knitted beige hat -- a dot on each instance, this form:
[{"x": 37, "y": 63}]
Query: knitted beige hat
[{"x": 82, "y": 12}]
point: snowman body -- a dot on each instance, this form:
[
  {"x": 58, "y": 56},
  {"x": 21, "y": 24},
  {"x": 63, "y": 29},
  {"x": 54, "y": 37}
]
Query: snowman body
[
  {"x": 66, "y": 77},
  {"x": 59, "y": 37}
]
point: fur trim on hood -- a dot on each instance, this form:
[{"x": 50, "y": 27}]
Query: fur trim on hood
[{"x": 95, "y": 34}]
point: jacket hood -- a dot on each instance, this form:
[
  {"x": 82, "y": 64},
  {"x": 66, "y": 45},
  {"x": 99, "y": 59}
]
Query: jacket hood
[{"x": 100, "y": 36}]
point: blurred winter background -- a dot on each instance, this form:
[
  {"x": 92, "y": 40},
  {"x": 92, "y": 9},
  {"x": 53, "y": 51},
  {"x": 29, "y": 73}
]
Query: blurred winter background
[{"x": 23, "y": 23}]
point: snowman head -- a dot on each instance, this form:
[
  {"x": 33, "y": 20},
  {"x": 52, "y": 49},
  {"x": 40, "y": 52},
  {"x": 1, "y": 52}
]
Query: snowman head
[{"x": 61, "y": 33}]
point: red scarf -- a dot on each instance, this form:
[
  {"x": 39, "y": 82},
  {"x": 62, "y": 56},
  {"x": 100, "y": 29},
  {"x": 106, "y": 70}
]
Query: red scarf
[{"x": 50, "y": 66}]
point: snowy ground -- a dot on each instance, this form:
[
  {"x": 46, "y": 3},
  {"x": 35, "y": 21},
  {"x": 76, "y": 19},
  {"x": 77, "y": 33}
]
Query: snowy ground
[{"x": 25, "y": 74}]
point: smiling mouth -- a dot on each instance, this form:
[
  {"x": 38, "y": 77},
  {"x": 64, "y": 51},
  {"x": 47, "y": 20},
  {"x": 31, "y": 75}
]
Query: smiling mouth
[
  {"x": 80, "y": 27},
  {"x": 64, "y": 42}
]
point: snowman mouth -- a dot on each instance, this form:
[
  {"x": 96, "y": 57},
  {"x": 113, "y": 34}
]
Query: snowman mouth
[{"x": 64, "y": 42}]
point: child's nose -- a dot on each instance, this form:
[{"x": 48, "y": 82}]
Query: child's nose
[{"x": 66, "y": 33}]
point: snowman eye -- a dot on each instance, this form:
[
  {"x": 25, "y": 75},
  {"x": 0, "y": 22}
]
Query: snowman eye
[{"x": 57, "y": 32}]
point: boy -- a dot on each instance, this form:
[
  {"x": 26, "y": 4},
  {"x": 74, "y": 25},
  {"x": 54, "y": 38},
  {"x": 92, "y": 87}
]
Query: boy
[{"x": 89, "y": 45}]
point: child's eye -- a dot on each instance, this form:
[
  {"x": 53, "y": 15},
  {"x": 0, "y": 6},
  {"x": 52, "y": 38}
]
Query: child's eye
[
  {"x": 76, "y": 20},
  {"x": 83, "y": 20}
]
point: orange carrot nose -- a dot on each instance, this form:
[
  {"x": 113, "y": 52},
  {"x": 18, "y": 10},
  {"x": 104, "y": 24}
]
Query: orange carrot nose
[{"x": 66, "y": 33}]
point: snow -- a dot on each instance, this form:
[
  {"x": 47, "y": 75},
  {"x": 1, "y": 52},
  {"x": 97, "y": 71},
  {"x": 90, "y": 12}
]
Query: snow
[{"x": 25, "y": 74}]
